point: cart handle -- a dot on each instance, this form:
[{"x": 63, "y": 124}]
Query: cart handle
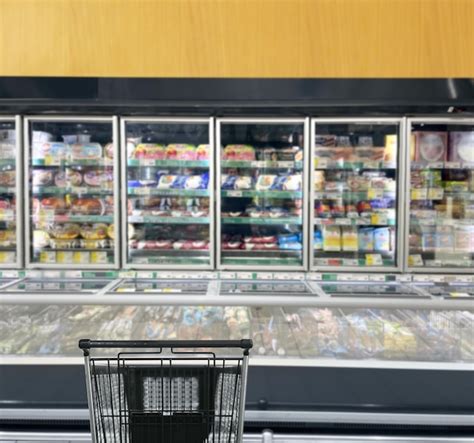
[{"x": 87, "y": 344}]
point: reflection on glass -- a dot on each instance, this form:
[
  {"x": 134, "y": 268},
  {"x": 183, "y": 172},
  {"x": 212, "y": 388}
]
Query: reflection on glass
[
  {"x": 261, "y": 189},
  {"x": 8, "y": 207},
  {"x": 71, "y": 193},
  {"x": 168, "y": 199},
  {"x": 441, "y": 196},
  {"x": 355, "y": 199}
]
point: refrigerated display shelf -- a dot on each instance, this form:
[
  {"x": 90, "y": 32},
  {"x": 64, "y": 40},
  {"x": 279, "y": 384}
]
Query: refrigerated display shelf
[
  {"x": 325, "y": 165},
  {"x": 168, "y": 163},
  {"x": 49, "y": 249},
  {"x": 277, "y": 261},
  {"x": 169, "y": 192},
  {"x": 439, "y": 194},
  {"x": 7, "y": 161},
  {"x": 66, "y": 163},
  {"x": 371, "y": 194},
  {"x": 441, "y": 165},
  {"x": 261, "y": 221},
  {"x": 168, "y": 260},
  {"x": 264, "y": 164},
  {"x": 359, "y": 262},
  {"x": 168, "y": 220},
  {"x": 263, "y": 194},
  {"x": 169, "y": 252},
  {"x": 73, "y": 218},
  {"x": 37, "y": 190},
  {"x": 442, "y": 222},
  {"x": 7, "y": 190},
  {"x": 353, "y": 222}
]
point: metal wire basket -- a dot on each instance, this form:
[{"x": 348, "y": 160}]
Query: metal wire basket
[{"x": 187, "y": 394}]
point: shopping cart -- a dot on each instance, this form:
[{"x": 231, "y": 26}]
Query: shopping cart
[{"x": 183, "y": 394}]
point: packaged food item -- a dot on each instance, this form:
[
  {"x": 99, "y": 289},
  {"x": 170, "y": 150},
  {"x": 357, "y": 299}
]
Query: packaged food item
[
  {"x": 7, "y": 178},
  {"x": 265, "y": 182},
  {"x": 197, "y": 181},
  {"x": 291, "y": 246},
  {"x": 337, "y": 209},
  {"x": 267, "y": 154},
  {"x": 318, "y": 240},
  {"x": 243, "y": 183},
  {"x": 97, "y": 178},
  {"x": 391, "y": 148},
  {"x": 69, "y": 177},
  {"x": 231, "y": 245},
  {"x": 202, "y": 152},
  {"x": 7, "y": 238},
  {"x": 166, "y": 181},
  {"x": 199, "y": 245},
  {"x": 277, "y": 212},
  {"x": 90, "y": 151},
  {"x": 238, "y": 152},
  {"x": 358, "y": 183},
  {"x": 7, "y": 134},
  {"x": 109, "y": 151},
  {"x": 179, "y": 151},
  {"x": 464, "y": 239},
  {"x": 95, "y": 231},
  {"x": 431, "y": 146},
  {"x": 260, "y": 246},
  {"x": 149, "y": 151},
  {"x": 88, "y": 206},
  {"x": 365, "y": 141},
  {"x": 323, "y": 210},
  {"x": 94, "y": 244},
  {"x": 343, "y": 140},
  {"x": 364, "y": 207},
  {"x": 461, "y": 146},
  {"x": 81, "y": 257},
  {"x": 55, "y": 150},
  {"x": 319, "y": 179},
  {"x": 56, "y": 204},
  {"x": 290, "y": 154},
  {"x": 289, "y": 238},
  {"x": 7, "y": 149},
  {"x": 292, "y": 183},
  {"x": 6, "y": 204},
  {"x": 335, "y": 154},
  {"x": 363, "y": 154},
  {"x": 350, "y": 240},
  {"x": 42, "y": 177},
  {"x": 351, "y": 211},
  {"x": 63, "y": 244},
  {"x": 382, "y": 239},
  {"x": 325, "y": 140},
  {"x": 262, "y": 239},
  {"x": 66, "y": 231},
  {"x": 366, "y": 239},
  {"x": 331, "y": 238},
  {"x": 444, "y": 238},
  {"x": 163, "y": 244},
  {"x": 456, "y": 186}
]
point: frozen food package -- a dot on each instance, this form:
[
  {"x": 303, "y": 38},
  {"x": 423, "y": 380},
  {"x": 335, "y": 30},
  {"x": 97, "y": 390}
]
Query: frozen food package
[
  {"x": 41, "y": 239},
  {"x": 365, "y": 141},
  {"x": 238, "y": 152},
  {"x": 382, "y": 239},
  {"x": 461, "y": 146},
  {"x": 197, "y": 181},
  {"x": 331, "y": 238},
  {"x": 148, "y": 151},
  {"x": 95, "y": 178},
  {"x": 231, "y": 245},
  {"x": 95, "y": 231},
  {"x": 318, "y": 240},
  {"x": 66, "y": 231},
  {"x": 431, "y": 146},
  {"x": 55, "y": 150},
  {"x": 202, "y": 152},
  {"x": 292, "y": 183},
  {"x": 42, "y": 177},
  {"x": 261, "y": 239},
  {"x": 166, "y": 181},
  {"x": 228, "y": 181},
  {"x": 265, "y": 182},
  {"x": 243, "y": 183},
  {"x": 325, "y": 140},
  {"x": 350, "y": 240},
  {"x": 366, "y": 239},
  {"x": 289, "y": 238},
  {"x": 464, "y": 239},
  {"x": 88, "y": 206},
  {"x": 391, "y": 147},
  {"x": 109, "y": 151},
  {"x": 7, "y": 178},
  {"x": 290, "y": 154},
  {"x": 179, "y": 151},
  {"x": 56, "y": 204},
  {"x": 7, "y": 149},
  {"x": 319, "y": 179},
  {"x": 291, "y": 246},
  {"x": 445, "y": 239},
  {"x": 369, "y": 154},
  {"x": 260, "y": 246},
  {"x": 89, "y": 151},
  {"x": 68, "y": 177}
]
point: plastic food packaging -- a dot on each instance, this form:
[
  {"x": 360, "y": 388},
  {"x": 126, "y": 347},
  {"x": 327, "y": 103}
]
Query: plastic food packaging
[
  {"x": 42, "y": 177},
  {"x": 291, "y": 246},
  {"x": 41, "y": 136},
  {"x": 319, "y": 179},
  {"x": 265, "y": 182},
  {"x": 109, "y": 151},
  {"x": 149, "y": 151},
  {"x": 95, "y": 178},
  {"x": 331, "y": 238},
  {"x": 88, "y": 206},
  {"x": 350, "y": 240},
  {"x": 96, "y": 231},
  {"x": 197, "y": 181},
  {"x": 41, "y": 239},
  {"x": 391, "y": 148},
  {"x": 431, "y": 146},
  {"x": 66, "y": 231},
  {"x": 263, "y": 239},
  {"x": 239, "y": 152},
  {"x": 56, "y": 204},
  {"x": 166, "y": 181},
  {"x": 56, "y": 150},
  {"x": 318, "y": 240},
  {"x": 292, "y": 183},
  {"x": 91, "y": 151},
  {"x": 180, "y": 152},
  {"x": 461, "y": 146},
  {"x": 382, "y": 239},
  {"x": 202, "y": 152},
  {"x": 231, "y": 245},
  {"x": 260, "y": 246},
  {"x": 243, "y": 183},
  {"x": 366, "y": 239}
]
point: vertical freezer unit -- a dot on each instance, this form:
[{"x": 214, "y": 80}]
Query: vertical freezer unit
[
  {"x": 355, "y": 183},
  {"x": 168, "y": 182},
  {"x": 10, "y": 197},
  {"x": 261, "y": 193},
  {"x": 440, "y": 195},
  {"x": 71, "y": 186}
]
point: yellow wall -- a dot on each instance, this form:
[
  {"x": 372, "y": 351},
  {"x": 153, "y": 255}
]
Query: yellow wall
[{"x": 241, "y": 38}]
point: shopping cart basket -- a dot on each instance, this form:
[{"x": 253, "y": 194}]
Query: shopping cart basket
[{"x": 166, "y": 391}]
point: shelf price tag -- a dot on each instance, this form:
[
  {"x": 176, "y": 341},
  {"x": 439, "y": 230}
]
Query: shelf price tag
[
  {"x": 287, "y": 164},
  {"x": 47, "y": 257},
  {"x": 51, "y": 286},
  {"x": 373, "y": 260},
  {"x": 50, "y": 160},
  {"x": 320, "y": 163},
  {"x": 343, "y": 221},
  {"x": 234, "y": 193},
  {"x": 436, "y": 165},
  {"x": 419, "y": 194},
  {"x": 350, "y": 262},
  {"x": 452, "y": 165}
]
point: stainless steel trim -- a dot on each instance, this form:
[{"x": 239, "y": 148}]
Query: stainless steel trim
[
  {"x": 219, "y": 121},
  {"x": 124, "y": 236},
  {"x": 117, "y": 202},
  {"x": 217, "y": 161},
  {"x": 243, "y": 393},
  {"x": 401, "y": 190},
  {"x": 26, "y": 193},
  {"x": 212, "y": 196},
  {"x": 373, "y": 120},
  {"x": 428, "y": 120},
  {"x": 306, "y": 167},
  {"x": 312, "y": 266},
  {"x": 90, "y": 399},
  {"x": 19, "y": 195}
]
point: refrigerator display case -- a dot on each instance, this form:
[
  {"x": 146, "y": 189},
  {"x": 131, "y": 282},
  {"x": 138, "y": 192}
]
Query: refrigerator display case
[
  {"x": 355, "y": 186},
  {"x": 261, "y": 193},
  {"x": 71, "y": 185},
  {"x": 11, "y": 200},
  {"x": 168, "y": 176},
  {"x": 440, "y": 192}
]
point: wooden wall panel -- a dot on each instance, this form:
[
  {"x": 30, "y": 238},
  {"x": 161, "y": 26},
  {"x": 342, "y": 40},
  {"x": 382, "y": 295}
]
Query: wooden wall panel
[{"x": 237, "y": 38}]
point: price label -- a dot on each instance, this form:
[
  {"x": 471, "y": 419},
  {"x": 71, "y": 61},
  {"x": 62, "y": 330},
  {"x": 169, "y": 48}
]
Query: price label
[
  {"x": 145, "y": 274},
  {"x": 52, "y": 286},
  {"x": 127, "y": 274},
  {"x": 264, "y": 275},
  {"x": 244, "y": 275},
  {"x": 415, "y": 260},
  {"x": 286, "y": 164},
  {"x": 373, "y": 260},
  {"x": 436, "y": 165},
  {"x": 46, "y": 214},
  {"x": 10, "y": 274},
  {"x": 48, "y": 257},
  {"x": 350, "y": 262},
  {"x": 81, "y": 258},
  {"x": 419, "y": 194},
  {"x": 373, "y": 194},
  {"x": 459, "y": 294},
  {"x": 148, "y": 162},
  {"x": 72, "y": 286},
  {"x": 343, "y": 221},
  {"x": 141, "y": 191},
  {"x": 50, "y": 160},
  {"x": 435, "y": 193},
  {"x": 372, "y": 164},
  {"x": 32, "y": 286},
  {"x": 99, "y": 257},
  {"x": 79, "y": 190},
  {"x": 345, "y": 277},
  {"x": 227, "y": 275},
  {"x": 378, "y": 219},
  {"x": 234, "y": 193},
  {"x": 379, "y": 278}
]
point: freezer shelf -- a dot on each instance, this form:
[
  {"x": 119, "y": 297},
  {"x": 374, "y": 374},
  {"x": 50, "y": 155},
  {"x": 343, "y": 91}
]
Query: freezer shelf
[
  {"x": 169, "y": 204},
  {"x": 441, "y": 196},
  {"x": 261, "y": 192},
  {"x": 297, "y": 334},
  {"x": 354, "y": 183},
  {"x": 10, "y": 222},
  {"x": 71, "y": 185}
]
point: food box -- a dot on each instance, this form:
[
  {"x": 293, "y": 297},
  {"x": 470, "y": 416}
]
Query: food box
[
  {"x": 461, "y": 146},
  {"x": 331, "y": 238},
  {"x": 431, "y": 147}
]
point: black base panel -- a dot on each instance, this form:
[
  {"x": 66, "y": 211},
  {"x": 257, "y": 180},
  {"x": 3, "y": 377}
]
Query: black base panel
[{"x": 274, "y": 388}]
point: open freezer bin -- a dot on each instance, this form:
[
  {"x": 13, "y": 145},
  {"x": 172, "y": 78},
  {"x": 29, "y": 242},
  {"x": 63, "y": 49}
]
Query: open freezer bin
[
  {"x": 168, "y": 176},
  {"x": 261, "y": 193},
  {"x": 71, "y": 185}
]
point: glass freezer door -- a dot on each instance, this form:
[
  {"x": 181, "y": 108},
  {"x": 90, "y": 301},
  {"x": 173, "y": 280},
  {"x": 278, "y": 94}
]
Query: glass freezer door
[
  {"x": 441, "y": 195},
  {"x": 10, "y": 195},
  {"x": 354, "y": 184},
  {"x": 57, "y": 286},
  {"x": 168, "y": 171},
  {"x": 261, "y": 189},
  {"x": 71, "y": 186},
  {"x": 145, "y": 286}
]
